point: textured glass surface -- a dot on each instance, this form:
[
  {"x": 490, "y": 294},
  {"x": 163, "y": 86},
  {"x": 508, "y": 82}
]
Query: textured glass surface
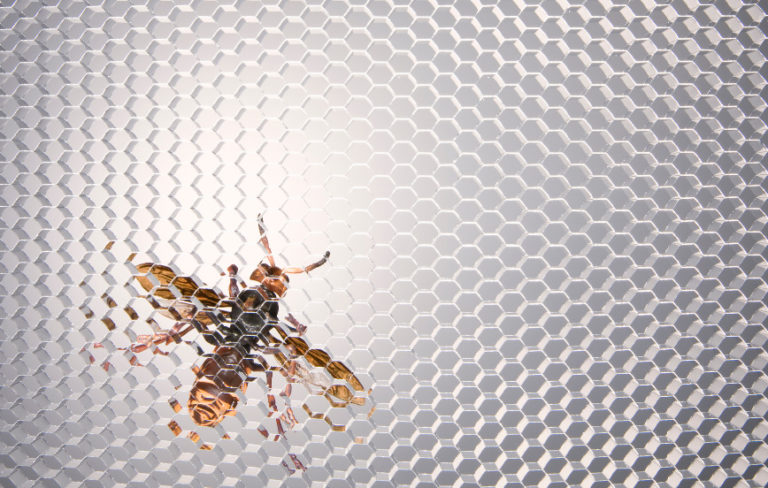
[{"x": 547, "y": 225}]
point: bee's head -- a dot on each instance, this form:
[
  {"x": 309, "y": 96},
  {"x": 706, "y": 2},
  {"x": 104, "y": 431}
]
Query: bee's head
[
  {"x": 275, "y": 279},
  {"x": 272, "y": 278}
]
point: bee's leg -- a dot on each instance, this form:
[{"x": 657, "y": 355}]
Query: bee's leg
[
  {"x": 296, "y": 462},
  {"x": 234, "y": 291},
  {"x": 90, "y": 356},
  {"x": 290, "y": 377},
  {"x": 273, "y": 405},
  {"x": 97, "y": 345},
  {"x": 307, "y": 269},
  {"x": 300, "y": 328},
  {"x": 289, "y": 371},
  {"x": 288, "y": 417},
  {"x": 270, "y": 397},
  {"x": 280, "y": 430},
  {"x": 271, "y": 401},
  {"x": 144, "y": 342},
  {"x": 290, "y": 374},
  {"x": 174, "y": 334},
  {"x": 291, "y": 416},
  {"x": 264, "y": 241},
  {"x": 257, "y": 364},
  {"x": 285, "y": 465}
]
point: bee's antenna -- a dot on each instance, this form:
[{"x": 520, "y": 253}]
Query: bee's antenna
[
  {"x": 264, "y": 241},
  {"x": 295, "y": 270}
]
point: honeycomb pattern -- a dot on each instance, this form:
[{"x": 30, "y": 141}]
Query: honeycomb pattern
[{"x": 547, "y": 225}]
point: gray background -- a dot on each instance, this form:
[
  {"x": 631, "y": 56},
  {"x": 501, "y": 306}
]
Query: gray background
[{"x": 547, "y": 226}]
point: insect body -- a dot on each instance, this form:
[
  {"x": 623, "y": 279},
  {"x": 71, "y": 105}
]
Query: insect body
[{"x": 248, "y": 338}]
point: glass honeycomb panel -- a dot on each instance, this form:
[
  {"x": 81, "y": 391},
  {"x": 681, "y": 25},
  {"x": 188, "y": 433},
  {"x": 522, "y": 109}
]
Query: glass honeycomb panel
[{"x": 546, "y": 225}]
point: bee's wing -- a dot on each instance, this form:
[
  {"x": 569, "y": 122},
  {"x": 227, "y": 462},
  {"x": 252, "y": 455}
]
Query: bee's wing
[
  {"x": 338, "y": 370},
  {"x": 320, "y": 359},
  {"x": 162, "y": 273},
  {"x": 174, "y": 296},
  {"x": 167, "y": 278}
]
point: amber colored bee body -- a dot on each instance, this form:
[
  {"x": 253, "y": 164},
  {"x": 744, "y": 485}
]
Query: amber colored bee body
[{"x": 244, "y": 329}]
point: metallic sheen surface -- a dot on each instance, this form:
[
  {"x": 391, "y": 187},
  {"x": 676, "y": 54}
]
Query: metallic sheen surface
[{"x": 547, "y": 224}]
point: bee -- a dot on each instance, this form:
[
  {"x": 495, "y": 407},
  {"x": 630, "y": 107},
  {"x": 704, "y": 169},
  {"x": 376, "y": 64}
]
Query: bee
[{"x": 248, "y": 338}]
